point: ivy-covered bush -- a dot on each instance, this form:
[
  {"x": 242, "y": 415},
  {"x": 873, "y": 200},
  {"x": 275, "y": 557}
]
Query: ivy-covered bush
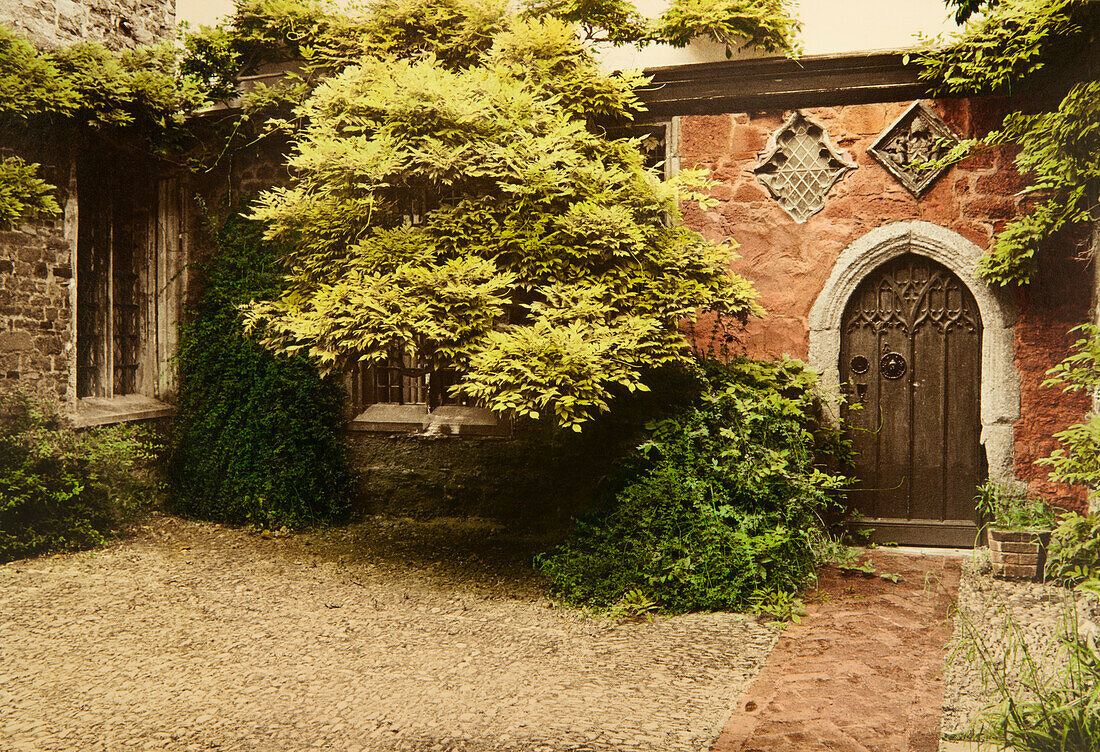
[
  {"x": 257, "y": 437},
  {"x": 718, "y": 509},
  {"x": 62, "y": 489}
]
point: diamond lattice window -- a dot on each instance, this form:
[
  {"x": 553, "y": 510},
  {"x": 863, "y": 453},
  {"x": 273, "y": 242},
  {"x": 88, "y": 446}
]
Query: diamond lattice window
[
  {"x": 800, "y": 166},
  {"x": 919, "y": 135}
]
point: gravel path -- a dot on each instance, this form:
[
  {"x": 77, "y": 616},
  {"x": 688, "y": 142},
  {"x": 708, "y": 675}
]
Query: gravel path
[
  {"x": 1035, "y": 613},
  {"x": 387, "y": 636}
]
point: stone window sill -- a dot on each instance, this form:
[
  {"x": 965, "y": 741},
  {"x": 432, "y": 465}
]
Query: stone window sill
[
  {"x": 102, "y": 411},
  {"x": 448, "y": 420}
]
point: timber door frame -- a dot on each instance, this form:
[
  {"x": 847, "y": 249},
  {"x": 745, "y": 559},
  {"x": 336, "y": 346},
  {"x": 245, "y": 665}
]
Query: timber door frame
[{"x": 1000, "y": 381}]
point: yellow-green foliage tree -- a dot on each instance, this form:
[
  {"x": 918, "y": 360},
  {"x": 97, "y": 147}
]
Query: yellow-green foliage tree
[{"x": 478, "y": 216}]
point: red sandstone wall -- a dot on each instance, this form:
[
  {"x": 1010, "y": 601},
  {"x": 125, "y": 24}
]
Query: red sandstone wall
[
  {"x": 1055, "y": 302},
  {"x": 790, "y": 262}
]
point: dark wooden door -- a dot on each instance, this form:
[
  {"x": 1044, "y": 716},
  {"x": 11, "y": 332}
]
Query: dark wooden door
[{"x": 910, "y": 355}]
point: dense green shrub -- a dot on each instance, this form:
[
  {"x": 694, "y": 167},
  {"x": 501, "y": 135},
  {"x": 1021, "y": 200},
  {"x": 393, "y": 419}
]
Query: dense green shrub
[
  {"x": 717, "y": 510},
  {"x": 62, "y": 489},
  {"x": 257, "y": 437}
]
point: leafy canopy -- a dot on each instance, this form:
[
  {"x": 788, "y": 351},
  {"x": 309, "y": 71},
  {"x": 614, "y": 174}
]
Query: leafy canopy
[
  {"x": 474, "y": 218},
  {"x": 134, "y": 94},
  {"x": 87, "y": 83}
]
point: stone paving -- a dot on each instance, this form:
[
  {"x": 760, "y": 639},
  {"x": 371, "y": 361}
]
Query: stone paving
[
  {"x": 863, "y": 672},
  {"x": 195, "y": 637}
]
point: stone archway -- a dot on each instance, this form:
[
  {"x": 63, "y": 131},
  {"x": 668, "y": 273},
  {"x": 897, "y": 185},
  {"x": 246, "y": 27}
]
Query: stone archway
[{"x": 1000, "y": 381}]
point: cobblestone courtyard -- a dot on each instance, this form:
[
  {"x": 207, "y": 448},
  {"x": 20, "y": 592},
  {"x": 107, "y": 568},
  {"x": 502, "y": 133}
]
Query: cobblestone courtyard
[{"x": 193, "y": 636}]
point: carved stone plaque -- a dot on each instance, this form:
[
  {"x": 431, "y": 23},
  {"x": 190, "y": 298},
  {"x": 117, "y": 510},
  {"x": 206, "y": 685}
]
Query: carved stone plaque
[
  {"x": 800, "y": 165},
  {"x": 919, "y": 135}
]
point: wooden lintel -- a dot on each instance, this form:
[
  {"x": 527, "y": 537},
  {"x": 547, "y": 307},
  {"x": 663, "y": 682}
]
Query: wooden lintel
[
  {"x": 781, "y": 83},
  {"x": 778, "y": 83}
]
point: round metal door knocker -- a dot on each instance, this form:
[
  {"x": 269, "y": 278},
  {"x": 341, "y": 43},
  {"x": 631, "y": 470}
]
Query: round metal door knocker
[
  {"x": 859, "y": 365},
  {"x": 892, "y": 365}
]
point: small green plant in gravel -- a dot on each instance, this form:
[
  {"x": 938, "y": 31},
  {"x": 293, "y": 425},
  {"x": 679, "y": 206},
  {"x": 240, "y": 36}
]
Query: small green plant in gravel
[
  {"x": 1008, "y": 508},
  {"x": 719, "y": 508},
  {"x": 64, "y": 490}
]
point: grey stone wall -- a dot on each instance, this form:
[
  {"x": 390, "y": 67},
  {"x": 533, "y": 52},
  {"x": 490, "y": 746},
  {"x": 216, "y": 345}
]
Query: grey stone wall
[
  {"x": 115, "y": 23},
  {"x": 37, "y": 330}
]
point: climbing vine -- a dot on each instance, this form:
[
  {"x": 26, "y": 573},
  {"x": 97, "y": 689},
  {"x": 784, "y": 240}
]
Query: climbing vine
[
  {"x": 1059, "y": 149},
  {"x": 135, "y": 95},
  {"x": 23, "y": 195}
]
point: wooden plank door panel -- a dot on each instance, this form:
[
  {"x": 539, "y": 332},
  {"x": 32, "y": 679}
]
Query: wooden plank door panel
[{"x": 911, "y": 356}]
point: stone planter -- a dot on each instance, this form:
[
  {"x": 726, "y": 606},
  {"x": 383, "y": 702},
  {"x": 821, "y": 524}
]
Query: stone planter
[{"x": 1018, "y": 554}]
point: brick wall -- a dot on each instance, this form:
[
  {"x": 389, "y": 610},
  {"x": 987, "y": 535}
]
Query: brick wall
[
  {"x": 115, "y": 23},
  {"x": 790, "y": 262}
]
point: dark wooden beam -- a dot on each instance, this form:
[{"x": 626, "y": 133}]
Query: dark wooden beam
[{"x": 781, "y": 83}]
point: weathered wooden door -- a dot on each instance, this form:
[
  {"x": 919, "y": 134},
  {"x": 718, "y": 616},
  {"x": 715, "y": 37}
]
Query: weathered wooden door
[{"x": 910, "y": 355}]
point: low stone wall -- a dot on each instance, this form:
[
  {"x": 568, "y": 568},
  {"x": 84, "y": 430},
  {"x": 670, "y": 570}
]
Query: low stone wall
[{"x": 535, "y": 477}]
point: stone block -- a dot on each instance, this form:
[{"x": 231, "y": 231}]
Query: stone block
[
  {"x": 1018, "y": 554},
  {"x": 1016, "y": 547},
  {"x": 11, "y": 341},
  {"x": 1014, "y": 571}
]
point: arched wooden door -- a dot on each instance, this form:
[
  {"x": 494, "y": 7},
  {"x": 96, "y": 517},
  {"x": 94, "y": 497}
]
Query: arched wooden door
[{"x": 910, "y": 354}]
